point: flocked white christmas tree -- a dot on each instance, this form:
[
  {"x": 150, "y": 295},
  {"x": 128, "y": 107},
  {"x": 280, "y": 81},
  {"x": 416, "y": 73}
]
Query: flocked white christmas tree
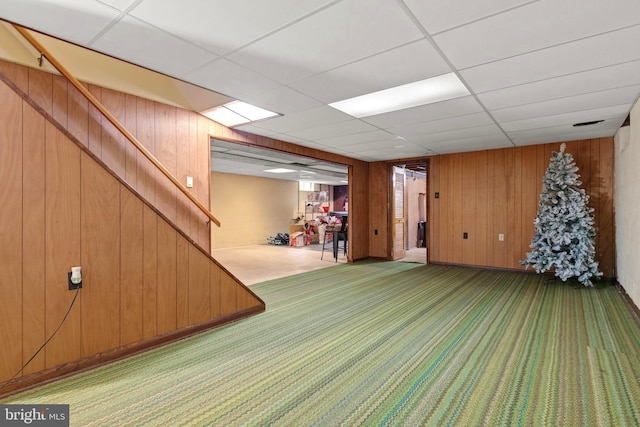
[{"x": 564, "y": 237}]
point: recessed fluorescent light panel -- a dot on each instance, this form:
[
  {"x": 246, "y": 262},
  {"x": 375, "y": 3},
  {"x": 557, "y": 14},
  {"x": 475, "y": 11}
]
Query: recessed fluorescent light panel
[
  {"x": 279, "y": 170},
  {"x": 237, "y": 113},
  {"x": 435, "y": 89}
]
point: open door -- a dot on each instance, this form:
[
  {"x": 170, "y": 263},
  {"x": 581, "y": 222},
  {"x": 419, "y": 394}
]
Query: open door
[{"x": 398, "y": 209}]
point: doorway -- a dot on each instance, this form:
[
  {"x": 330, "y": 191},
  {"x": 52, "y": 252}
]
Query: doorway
[{"x": 412, "y": 195}]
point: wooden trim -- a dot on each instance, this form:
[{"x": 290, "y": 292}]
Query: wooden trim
[
  {"x": 68, "y": 369},
  {"x": 94, "y": 101}
]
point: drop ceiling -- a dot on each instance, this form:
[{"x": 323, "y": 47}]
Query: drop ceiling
[
  {"x": 532, "y": 68},
  {"x": 229, "y": 157}
]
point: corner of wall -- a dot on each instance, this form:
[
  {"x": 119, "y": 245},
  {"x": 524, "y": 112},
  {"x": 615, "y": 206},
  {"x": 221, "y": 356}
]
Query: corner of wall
[{"x": 627, "y": 206}]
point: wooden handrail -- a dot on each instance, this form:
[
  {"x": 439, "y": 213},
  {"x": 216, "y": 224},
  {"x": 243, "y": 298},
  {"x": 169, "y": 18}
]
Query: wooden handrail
[{"x": 92, "y": 99}]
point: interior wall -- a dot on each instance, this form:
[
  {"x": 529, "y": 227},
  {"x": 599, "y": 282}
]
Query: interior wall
[
  {"x": 143, "y": 279},
  {"x": 250, "y": 208},
  {"x": 493, "y": 192},
  {"x": 627, "y": 206},
  {"x": 179, "y": 139}
]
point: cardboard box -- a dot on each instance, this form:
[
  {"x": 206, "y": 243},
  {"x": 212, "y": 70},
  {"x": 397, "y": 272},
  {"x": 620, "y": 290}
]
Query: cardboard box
[{"x": 297, "y": 239}]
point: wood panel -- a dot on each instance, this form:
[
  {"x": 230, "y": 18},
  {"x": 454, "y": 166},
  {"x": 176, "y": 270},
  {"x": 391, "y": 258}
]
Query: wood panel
[
  {"x": 150, "y": 272},
  {"x": 530, "y": 188},
  {"x": 165, "y": 152},
  {"x": 228, "y": 295},
  {"x": 41, "y": 89},
  {"x": 215, "y": 275},
  {"x": 182, "y": 282},
  {"x": 167, "y": 285},
  {"x": 506, "y": 189},
  {"x": 100, "y": 260},
  {"x": 61, "y": 208},
  {"x": 59, "y": 105},
  {"x": 199, "y": 287},
  {"x": 147, "y": 174},
  {"x": 457, "y": 226},
  {"x": 433, "y": 207},
  {"x": 113, "y": 142},
  {"x": 33, "y": 236},
  {"x": 605, "y": 228},
  {"x": 468, "y": 219},
  {"x": 131, "y": 267},
  {"x": 95, "y": 123},
  {"x": 131, "y": 152},
  {"x": 62, "y": 245},
  {"x": 378, "y": 210},
  {"x": 183, "y": 157},
  {"x": 482, "y": 205},
  {"x": 11, "y": 231},
  {"x": 78, "y": 116},
  {"x": 359, "y": 230}
]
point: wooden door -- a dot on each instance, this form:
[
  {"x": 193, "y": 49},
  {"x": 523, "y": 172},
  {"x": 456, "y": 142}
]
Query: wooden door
[{"x": 398, "y": 210}]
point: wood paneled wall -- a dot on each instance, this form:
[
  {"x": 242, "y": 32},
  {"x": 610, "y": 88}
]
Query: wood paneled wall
[
  {"x": 177, "y": 138},
  {"x": 492, "y": 192},
  {"x": 487, "y": 193},
  {"x": 143, "y": 280}
]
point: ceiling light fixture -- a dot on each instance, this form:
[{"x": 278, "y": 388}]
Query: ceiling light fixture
[
  {"x": 428, "y": 91},
  {"x": 279, "y": 170},
  {"x": 238, "y": 113}
]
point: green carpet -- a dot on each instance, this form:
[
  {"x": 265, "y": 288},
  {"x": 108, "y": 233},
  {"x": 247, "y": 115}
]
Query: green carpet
[{"x": 384, "y": 343}]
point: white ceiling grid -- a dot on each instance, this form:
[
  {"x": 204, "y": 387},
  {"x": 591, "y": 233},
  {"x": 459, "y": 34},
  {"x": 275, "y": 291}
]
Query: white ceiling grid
[{"x": 533, "y": 68}]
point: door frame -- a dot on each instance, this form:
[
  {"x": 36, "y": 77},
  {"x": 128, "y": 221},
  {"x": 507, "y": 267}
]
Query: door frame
[{"x": 390, "y": 214}]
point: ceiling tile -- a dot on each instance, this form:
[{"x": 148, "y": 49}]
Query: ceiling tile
[
  {"x": 436, "y": 111},
  {"x": 405, "y": 64},
  {"x": 374, "y": 145},
  {"x": 476, "y": 143},
  {"x": 345, "y": 32},
  {"x": 77, "y": 21},
  {"x": 434, "y": 126},
  {"x": 230, "y": 79},
  {"x": 566, "y": 133},
  {"x": 119, "y": 4},
  {"x": 587, "y": 101},
  {"x": 142, "y": 44},
  {"x": 281, "y": 99},
  {"x": 222, "y": 26},
  {"x": 612, "y": 48},
  {"x": 333, "y": 130},
  {"x": 312, "y": 117},
  {"x": 568, "y": 119},
  {"x": 439, "y": 15},
  {"x": 356, "y": 138},
  {"x": 428, "y": 139},
  {"x": 599, "y": 79},
  {"x": 536, "y": 26}
]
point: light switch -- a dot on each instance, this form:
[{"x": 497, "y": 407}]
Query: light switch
[
  {"x": 189, "y": 182},
  {"x": 501, "y": 237}
]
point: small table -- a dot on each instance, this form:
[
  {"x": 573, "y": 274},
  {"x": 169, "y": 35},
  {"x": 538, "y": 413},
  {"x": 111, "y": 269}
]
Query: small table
[{"x": 336, "y": 233}]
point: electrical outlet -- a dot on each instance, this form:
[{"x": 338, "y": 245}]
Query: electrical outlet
[
  {"x": 501, "y": 237},
  {"x": 375, "y": 231},
  {"x": 465, "y": 235}
]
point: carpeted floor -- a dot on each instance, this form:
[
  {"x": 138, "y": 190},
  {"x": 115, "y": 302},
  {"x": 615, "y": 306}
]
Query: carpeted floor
[{"x": 384, "y": 343}]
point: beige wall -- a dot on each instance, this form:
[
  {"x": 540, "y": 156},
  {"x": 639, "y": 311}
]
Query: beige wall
[
  {"x": 627, "y": 206},
  {"x": 250, "y": 209}
]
